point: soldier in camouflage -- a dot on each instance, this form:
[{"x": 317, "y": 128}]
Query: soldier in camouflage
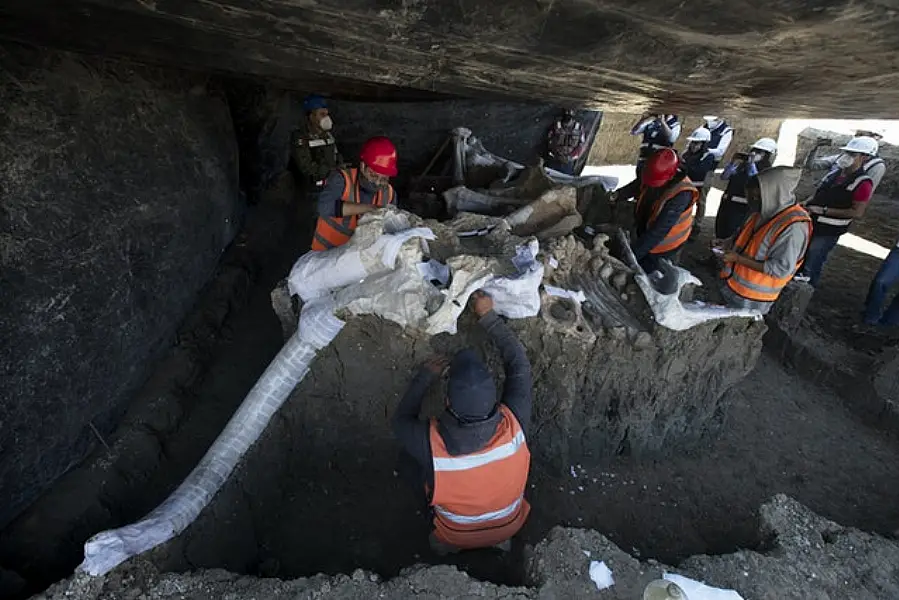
[
  {"x": 314, "y": 149},
  {"x": 315, "y": 155}
]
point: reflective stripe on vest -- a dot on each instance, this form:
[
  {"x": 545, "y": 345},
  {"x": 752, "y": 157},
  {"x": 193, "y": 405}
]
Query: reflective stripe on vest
[
  {"x": 478, "y": 498},
  {"x": 481, "y": 518},
  {"x": 832, "y": 221},
  {"x": 331, "y": 232},
  {"x": 756, "y": 285},
  {"x": 737, "y": 199},
  {"x": 837, "y": 195},
  {"x": 472, "y": 461},
  {"x": 680, "y": 232}
]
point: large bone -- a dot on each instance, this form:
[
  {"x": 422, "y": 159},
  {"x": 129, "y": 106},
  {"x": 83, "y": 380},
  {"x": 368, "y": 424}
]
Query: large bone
[
  {"x": 667, "y": 308},
  {"x": 469, "y": 152}
]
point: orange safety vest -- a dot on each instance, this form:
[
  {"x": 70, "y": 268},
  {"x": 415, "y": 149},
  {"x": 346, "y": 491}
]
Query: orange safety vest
[
  {"x": 680, "y": 233},
  {"x": 331, "y": 232},
  {"x": 478, "y": 498},
  {"x": 756, "y": 285}
]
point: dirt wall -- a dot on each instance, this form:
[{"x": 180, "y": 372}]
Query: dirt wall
[
  {"x": 120, "y": 191},
  {"x": 330, "y": 455},
  {"x": 615, "y": 145}
]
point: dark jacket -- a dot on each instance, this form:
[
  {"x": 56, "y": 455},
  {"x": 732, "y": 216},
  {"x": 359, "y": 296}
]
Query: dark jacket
[
  {"x": 698, "y": 165},
  {"x": 413, "y": 433},
  {"x": 650, "y": 237}
]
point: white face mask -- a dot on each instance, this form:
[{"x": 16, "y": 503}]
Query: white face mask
[
  {"x": 845, "y": 161},
  {"x": 754, "y": 157},
  {"x": 326, "y": 123},
  {"x": 712, "y": 124}
]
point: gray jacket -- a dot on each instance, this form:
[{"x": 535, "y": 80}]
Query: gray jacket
[{"x": 777, "y": 185}]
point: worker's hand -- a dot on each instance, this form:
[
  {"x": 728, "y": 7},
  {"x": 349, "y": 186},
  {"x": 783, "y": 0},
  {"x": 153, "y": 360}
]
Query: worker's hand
[
  {"x": 730, "y": 256},
  {"x": 481, "y": 303},
  {"x": 436, "y": 365}
]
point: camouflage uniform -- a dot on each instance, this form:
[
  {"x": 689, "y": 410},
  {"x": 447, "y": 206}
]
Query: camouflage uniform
[{"x": 315, "y": 157}]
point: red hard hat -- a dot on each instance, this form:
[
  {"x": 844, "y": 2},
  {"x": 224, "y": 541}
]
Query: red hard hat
[
  {"x": 660, "y": 168},
  {"x": 379, "y": 154}
]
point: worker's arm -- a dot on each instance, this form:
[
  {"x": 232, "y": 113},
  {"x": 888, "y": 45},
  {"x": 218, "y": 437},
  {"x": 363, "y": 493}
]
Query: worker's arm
[
  {"x": 641, "y": 124},
  {"x": 330, "y": 204},
  {"x": 671, "y": 132},
  {"x": 627, "y": 192},
  {"x": 410, "y": 431},
  {"x": 518, "y": 387},
  {"x": 819, "y": 164},
  {"x": 719, "y": 150},
  {"x": 860, "y": 199},
  {"x": 348, "y": 209},
  {"x": 302, "y": 156},
  {"x": 730, "y": 169},
  {"x": 663, "y": 224}
]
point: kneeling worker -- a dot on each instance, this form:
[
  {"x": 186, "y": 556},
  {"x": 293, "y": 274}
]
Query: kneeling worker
[
  {"x": 663, "y": 216},
  {"x": 769, "y": 247},
  {"x": 349, "y": 193},
  {"x": 473, "y": 460}
]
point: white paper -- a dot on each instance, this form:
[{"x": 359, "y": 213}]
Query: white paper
[
  {"x": 578, "y": 296},
  {"x": 696, "y": 590},
  {"x": 601, "y": 575}
]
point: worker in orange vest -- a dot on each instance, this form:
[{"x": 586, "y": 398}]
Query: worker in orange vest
[
  {"x": 765, "y": 253},
  {"x": 663, "y": 216},
  {"x": 350, "y": 193},
  {"x": 472, "y": 461}
]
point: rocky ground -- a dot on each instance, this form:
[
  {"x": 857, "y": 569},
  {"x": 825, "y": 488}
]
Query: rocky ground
[{"x": 806, "y": 556}]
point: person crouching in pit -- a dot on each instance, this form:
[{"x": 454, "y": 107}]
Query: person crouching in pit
[
  {"x": 349, "y": 193},
  {"x": 768, "y": 249},
  {"x": 472, "y": 461}
]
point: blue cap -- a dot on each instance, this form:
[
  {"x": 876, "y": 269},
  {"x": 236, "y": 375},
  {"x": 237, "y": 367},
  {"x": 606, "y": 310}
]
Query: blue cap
[
  {"x": 314, "y": 102},
  {"x": 471, "y": 389}
]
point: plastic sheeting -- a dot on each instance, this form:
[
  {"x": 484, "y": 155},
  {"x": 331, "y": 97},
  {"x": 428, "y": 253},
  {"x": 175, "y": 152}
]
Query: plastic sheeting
[{"x": 107, "y": 549}]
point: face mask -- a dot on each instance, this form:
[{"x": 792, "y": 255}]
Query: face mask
[
  {"x": 845, "y": 161},
  {"x": 754, "y": 157},
  {"x": 712, "y": 124},
  {"x": 372, "y": 181},
  {"x": 326, "y": 123}
]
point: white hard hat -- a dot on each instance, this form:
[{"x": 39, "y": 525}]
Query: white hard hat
[
  {"x": 862, "y": 145},
  {"x": 766, "y": 144},
  {"x": 710, "y": 118},
  {"x": 700, "y": 135}
]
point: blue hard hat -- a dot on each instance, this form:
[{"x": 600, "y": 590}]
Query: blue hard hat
[{"x": 314, "y": 102}]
